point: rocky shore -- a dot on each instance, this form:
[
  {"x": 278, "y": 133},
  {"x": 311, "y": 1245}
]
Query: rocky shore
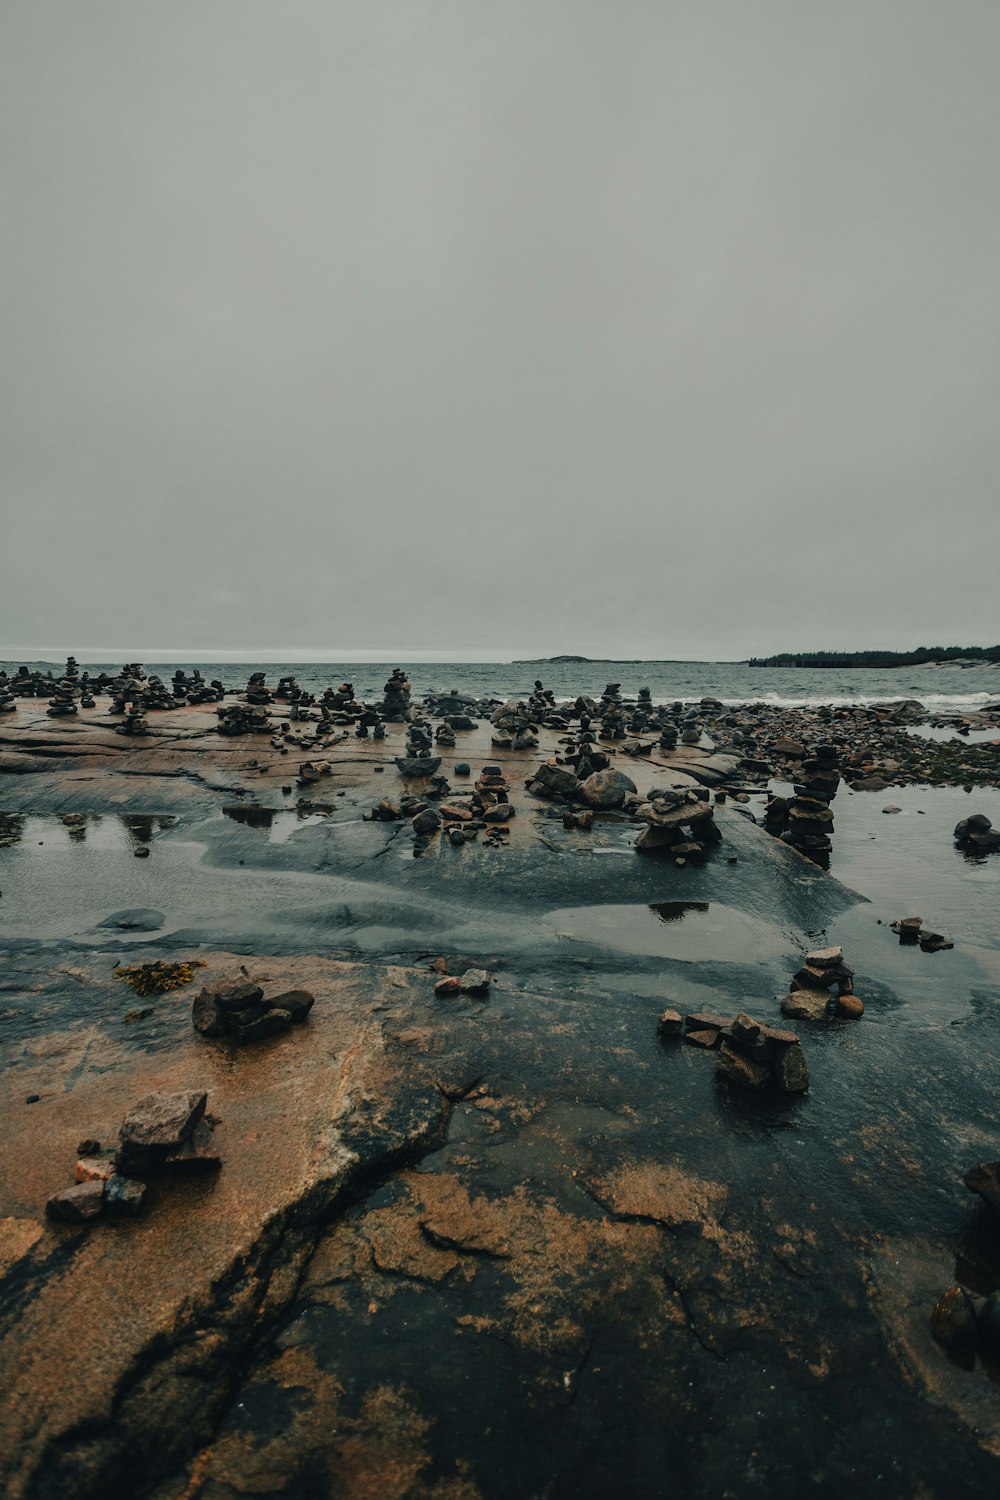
[{"x": 511, "y": 1124}]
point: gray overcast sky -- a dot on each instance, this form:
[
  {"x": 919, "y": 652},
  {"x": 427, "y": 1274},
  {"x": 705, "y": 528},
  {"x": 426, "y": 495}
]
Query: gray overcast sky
[{"x": 629, "y": 329}]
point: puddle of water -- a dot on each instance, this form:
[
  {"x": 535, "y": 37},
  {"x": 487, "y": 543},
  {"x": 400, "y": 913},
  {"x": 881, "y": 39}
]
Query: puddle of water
[
  {"x": 676, "y": 911},
  {"x": 280, "y": 824},
  {"x": 95, "y": 830},
  {"x": 688, "y": 931},
  {"x": 949, "y": 732}
]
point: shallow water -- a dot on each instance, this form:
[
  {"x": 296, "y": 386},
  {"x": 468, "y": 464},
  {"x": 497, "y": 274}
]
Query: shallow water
[
  {"x": 688, "y": 932},
  {"x": 945, "y": 689}
]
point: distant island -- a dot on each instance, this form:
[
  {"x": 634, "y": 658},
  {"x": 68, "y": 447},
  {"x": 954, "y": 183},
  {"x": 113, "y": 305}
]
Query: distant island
[{"x": 922, "y": 656}]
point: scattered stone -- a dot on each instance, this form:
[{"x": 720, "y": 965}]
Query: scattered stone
[
  {"x": 163, "y": 1121},
  {"x": 123, "y": 1195},
  {"x": 77, "y": 1204},
  {"x": 475, "y": 981},
  {"x": 791, "y": 1073},
  {"x": 297, "y": 1003},
  {"x": 671, "y": 1023},
  {"x": 607, "y": 789},
  {"x": 94, "y": 1168},
  {"x": 850, "y": 1007},
  {"x": 954, "y": 1323},
  {"x": 736, "y": 1067},
  {"x": 806, "y": 1005},
  {"x": 449, "y": 985}
]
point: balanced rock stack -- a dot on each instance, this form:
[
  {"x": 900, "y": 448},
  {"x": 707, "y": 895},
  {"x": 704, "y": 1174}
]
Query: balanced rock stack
[
  {"x": 823, "y": 989},
  {"x": 750, "y": 1054},
  {"x": 679, "y": 823},
  {"x": 805, "y": 820},
  {"x": 63, "y": 703},
  {"x": 514, "y": 727},
  {"x": 612, "y": 714},
  {"x": 976, "y": 835},
  {"x": 86, "y": 692},
  {"x": 157, "y": 695},
  {"x": 370, "y": 724},
  {"x": 395, "y": 707},
  {"x": 8, "y": 703},
  {"x": 236, "y": 1009},
  {"x": 668, "y": 735},
  {"x": 257, "y": 691},
  {"x": 418, "y": 760},
  {"x": 911, "y": 931},
  {"x": 491, "y": 797},
  {"x": 164, "y": 1132},
  {"x": 134, "y": 721},
  {"x": 243, "y": 718}
]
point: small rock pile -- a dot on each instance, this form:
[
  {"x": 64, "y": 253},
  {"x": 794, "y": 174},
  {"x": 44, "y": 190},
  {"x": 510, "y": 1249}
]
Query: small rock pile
[
  {"x": 395, "y": 706},
  {"x": 678, "y": 823},
  {"x": 514, "y": 727},
  {"x": 418, "y": 760},
  {"x": 8, "y": 703},
  {"x": 164, "y": 1132},
  {"x": 911, "y": 931},
  {"x": 750, "y": 1054},
  {"x": 63, "y": 704},
  {"x": 976, "y": 835},
  {"x": 805, "y": 820},
  {"x": 243, "y": 718},
  {"x": 823, "y": 988},
  {"x": 236, "y": 1009},
  {"x": 257, "y": 690}
]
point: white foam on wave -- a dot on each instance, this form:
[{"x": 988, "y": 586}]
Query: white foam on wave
[{"x": 933, "y": 702}]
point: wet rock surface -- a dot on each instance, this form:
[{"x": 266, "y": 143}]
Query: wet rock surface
[{"x": 465, "y": 1249}]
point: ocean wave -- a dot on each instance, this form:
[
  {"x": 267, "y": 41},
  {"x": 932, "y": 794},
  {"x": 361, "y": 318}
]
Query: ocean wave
[{"x": 933, "y": 702}]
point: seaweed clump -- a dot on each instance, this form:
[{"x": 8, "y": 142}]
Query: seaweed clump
[{"x": 158, "y": 977}]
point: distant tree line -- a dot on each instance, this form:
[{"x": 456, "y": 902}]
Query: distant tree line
[{"x": 919, "y": 657}]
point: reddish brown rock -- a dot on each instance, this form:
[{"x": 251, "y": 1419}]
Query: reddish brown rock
[
  {"x": 78, "y": 1203},
  {"x": 163, "y": 1121}
]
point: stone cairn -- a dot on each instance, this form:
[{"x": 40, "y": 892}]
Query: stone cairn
[
  {"x": 805, "y": 820},
  {"x": 162, "y": 1134},
  {"x": 194, "y": 690},
  {"x": 243, "y": 718},
  {"x": 823, "y": 989},
  {"x": 395, "y": 706},
  {"x": 418, "y": 760},
  {"x": 611, "y": 712},
  {"x": 680, "y": 824},
  {"x": 63, "y": 702},
  {"x": 749, "y": 1053},
  {"x": 513, "y": 726},
  {"x": 911, "y": 932},
  {"x": 134, "y": 721},
  {"x": 257, "y": 692},
  {"x": 238, "y": 1011},
  {"x": 86, "y": 692},
  {"x": 8, "y": 703}
]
